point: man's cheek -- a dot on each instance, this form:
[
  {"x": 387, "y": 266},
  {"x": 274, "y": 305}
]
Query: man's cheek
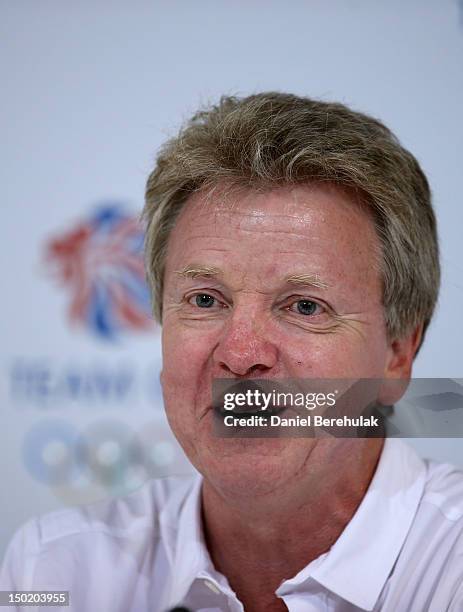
[
  {"x": 319, "y": 354},
  {"x": 175, "y": 348},
  {"x": 183, "y": 361},
  {"x": 331, "y": 356},
  {"x": 195, "y": 344}
]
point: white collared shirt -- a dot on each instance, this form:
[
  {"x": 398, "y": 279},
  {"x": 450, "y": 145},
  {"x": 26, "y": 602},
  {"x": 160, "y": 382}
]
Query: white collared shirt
[{"x": 401, "y": 552}]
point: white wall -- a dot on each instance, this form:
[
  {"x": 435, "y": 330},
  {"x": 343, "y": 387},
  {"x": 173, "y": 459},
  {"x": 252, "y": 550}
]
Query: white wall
[{"x": 89, "y": 92}]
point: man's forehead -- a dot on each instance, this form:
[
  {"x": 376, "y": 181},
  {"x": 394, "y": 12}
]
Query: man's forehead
[
  {"x": 321, "y": 240},
  {"x": 274, "y": 210}
]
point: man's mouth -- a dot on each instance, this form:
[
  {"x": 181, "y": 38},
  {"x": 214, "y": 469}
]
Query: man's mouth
[
  {"x": 249, "y": 411},
  {"x": 247, "y": 398}
]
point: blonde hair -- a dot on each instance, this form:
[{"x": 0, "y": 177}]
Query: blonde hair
[{"x": 272, "y": 139}]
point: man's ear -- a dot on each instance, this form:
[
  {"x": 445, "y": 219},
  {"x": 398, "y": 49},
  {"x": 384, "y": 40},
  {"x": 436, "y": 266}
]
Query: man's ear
[
  {"x": 399, "y": 367},
  {"x": 402, "y": 351}
]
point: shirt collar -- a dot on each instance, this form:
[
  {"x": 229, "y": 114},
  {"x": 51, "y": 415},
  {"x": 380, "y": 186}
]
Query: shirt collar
[{"x": 359, "y": 563}]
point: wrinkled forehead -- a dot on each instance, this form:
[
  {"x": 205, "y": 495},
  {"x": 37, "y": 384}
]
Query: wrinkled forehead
[
  {"x": 310, "y": 229},
  {"x": 306, "y": 211}
]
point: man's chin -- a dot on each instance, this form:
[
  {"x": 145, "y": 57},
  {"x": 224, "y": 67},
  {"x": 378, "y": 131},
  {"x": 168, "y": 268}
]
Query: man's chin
[{"x": 250, "y": 467}]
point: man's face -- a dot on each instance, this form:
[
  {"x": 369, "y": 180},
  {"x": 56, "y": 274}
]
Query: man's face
[{"x": 282, "y": 284}]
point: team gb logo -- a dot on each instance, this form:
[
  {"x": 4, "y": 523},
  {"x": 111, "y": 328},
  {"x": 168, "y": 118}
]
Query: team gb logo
[{"x": 100, "y": 263}]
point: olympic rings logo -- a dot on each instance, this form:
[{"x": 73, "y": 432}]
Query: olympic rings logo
[{"x": 106, "y": 454}]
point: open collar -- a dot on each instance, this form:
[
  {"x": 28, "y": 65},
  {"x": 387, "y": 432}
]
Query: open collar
[{"x": 357, "y": 566}]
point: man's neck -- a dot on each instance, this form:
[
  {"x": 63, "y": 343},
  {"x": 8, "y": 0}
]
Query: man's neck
[{"x": 259, "y": 542}]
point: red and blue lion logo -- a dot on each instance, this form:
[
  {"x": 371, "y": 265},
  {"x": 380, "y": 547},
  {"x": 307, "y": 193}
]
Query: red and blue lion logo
[{"x": 100, "y": 262}]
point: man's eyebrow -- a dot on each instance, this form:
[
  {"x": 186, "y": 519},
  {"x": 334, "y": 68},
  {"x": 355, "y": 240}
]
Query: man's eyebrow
[
  {"x": 307, "y": 279},
  {"x": 195, "y": 270},
  {"x": 199, "y": 270}
]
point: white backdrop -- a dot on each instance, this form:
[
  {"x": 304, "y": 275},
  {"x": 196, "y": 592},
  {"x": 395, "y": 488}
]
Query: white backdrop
[{"x": 89, "y": 92}]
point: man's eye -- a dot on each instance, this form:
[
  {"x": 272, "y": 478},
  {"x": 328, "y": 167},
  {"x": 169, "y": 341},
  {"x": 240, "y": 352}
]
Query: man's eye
[
  {"x": 203, "y": 300},
  {"x": 306, "y": 307}
]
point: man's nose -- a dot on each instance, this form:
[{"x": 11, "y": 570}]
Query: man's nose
[{"x": 244, "y": 348}]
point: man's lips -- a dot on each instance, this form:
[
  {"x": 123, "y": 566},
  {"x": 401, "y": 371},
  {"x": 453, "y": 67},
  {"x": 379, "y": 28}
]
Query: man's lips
[
  {"x": 248, "y": 411},
  {"x": 257, "y": 390}
]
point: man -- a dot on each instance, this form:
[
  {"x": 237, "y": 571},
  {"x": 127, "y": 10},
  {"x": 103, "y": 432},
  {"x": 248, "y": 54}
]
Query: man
[{"x": 286, "y": 239}]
